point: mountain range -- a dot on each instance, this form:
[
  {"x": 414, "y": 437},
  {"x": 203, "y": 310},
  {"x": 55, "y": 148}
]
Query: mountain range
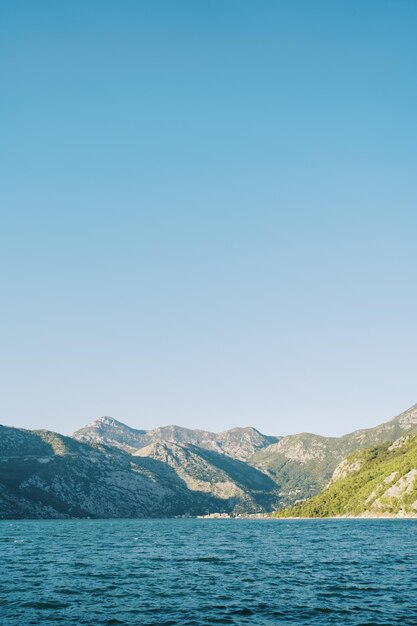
[
  {"x": 44, "y": 474},
  {"x": 239, "y": 443},
  {"x": 108, "y": 469}
]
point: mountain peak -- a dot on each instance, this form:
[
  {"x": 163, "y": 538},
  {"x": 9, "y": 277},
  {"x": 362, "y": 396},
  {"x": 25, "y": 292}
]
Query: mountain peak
[
  {"x": 238, "y": 443},
  {"x": 106, "y": 419}
]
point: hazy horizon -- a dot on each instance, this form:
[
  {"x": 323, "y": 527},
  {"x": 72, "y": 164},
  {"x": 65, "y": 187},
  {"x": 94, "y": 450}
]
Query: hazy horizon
[{"x": 208, "y": 214}]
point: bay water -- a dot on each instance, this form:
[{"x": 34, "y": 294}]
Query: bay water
[{"x": 201, "y": 571}]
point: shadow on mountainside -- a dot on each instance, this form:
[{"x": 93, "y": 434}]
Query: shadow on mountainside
[{"x": 46, "y": 475}]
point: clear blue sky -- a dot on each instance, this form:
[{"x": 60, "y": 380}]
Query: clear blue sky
[{"x": 208, "y": 213}]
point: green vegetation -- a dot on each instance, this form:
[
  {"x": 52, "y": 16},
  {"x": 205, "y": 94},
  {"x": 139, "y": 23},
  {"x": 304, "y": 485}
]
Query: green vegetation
[
  {"x": 302, "y": 465},
  {"x": 380, "y": 480}
]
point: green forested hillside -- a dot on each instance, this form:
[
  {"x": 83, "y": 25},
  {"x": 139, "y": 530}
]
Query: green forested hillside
[
  {"x": 380, "y": 480},
  {"x": 302, "y": 465}
]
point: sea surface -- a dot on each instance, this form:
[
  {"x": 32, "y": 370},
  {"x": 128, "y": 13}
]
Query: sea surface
[{"x": 201, "y": 571}]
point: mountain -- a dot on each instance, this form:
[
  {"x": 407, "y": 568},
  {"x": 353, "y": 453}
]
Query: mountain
[
  {"x": 43, "y": 474},
  {"x": 46, "y": 475},
  {"x": 110, "y": 432},
  {"x": 239, "y": 443},
  {"x": 303, "y": 464},
  {"x": 108, "y": 469},
  {"x": 243, "y": 486},
  {"x": 379, "y": 480}
]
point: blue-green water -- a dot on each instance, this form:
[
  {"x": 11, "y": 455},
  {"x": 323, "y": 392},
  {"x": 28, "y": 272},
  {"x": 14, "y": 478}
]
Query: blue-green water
[{"x": 183, "y": 572}]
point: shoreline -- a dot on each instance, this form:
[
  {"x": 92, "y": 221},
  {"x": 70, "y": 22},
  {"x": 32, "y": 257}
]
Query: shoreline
[
  {"x": 348, "y": 517},
  {"x": 266, "y": 516}
]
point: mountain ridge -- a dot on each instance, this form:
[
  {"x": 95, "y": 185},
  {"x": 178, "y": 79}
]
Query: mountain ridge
[{"x": 240, "y": 442}]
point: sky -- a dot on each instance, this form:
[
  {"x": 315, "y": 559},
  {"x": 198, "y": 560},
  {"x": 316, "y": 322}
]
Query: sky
[{"x": 208, "y": 213}]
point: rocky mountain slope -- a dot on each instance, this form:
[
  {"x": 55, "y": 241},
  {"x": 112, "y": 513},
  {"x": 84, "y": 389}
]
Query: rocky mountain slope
[
  {"x": 380, "y": 480},
  {"x": 46, "y": 475},
  {"x": 303, "y": 464},
  {"x": 221, "y": 476},
  {"x": 239, "y": 443}
]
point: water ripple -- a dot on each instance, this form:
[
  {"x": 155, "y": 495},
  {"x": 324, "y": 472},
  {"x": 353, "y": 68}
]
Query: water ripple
[{"x": 200, "y": 572}]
